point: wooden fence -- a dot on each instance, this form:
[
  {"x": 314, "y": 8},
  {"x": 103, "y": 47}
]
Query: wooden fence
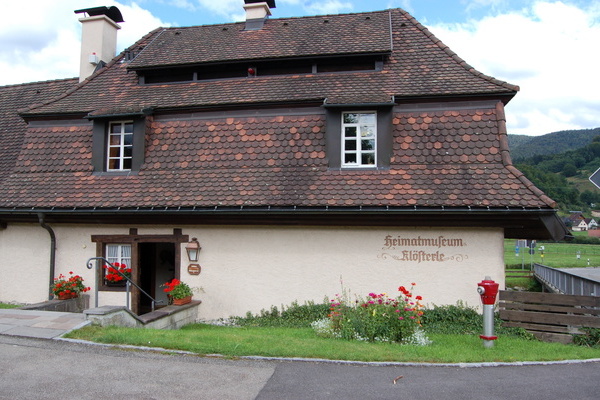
[{"x": 550, "y": 317}]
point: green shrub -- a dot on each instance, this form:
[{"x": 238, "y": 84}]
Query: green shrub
[
  {"x": 585, "y": 240},
  {"x": 462, "y": 319},
  {"x": 292, "y": 316},
  {"x": 452, "y": 319},
  {"x": 591, "y": 338}
]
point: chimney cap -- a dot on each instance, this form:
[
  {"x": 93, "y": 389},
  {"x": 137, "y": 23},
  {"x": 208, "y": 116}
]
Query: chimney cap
[
  {"x": 270, "y": 3},
  {"x": 111, "y": 12}
]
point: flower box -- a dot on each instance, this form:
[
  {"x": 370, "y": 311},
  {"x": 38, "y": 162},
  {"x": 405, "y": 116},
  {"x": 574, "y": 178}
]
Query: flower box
[
  {"x": 66, "y": 296},
  {"x": 180, "y": 302}
]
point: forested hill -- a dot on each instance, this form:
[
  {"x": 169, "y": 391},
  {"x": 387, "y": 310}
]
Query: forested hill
[
  {"x": 564, "y": 176},
  {"x": 524, "y": 146}
]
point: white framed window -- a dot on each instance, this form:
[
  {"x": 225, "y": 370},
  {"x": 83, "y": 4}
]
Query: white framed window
[
  {"x": 120, "y": 146},
  {"x": 119, "y": 255},
  {"x": 359, "y": 139}
]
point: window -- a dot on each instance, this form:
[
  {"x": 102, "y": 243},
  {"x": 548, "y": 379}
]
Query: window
[
  {"x": 359, "y": 139},
  {"x": 120, "y": 146},
  {"x": 118, "y": 254}
]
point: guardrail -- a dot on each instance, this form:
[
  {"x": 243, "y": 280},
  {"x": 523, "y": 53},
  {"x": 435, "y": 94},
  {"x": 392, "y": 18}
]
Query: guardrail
[{"x": 560, "y": 281}]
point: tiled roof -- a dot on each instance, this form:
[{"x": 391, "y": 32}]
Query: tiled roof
[
  {"x": 249, "y": 141},
  {"x": 279, "y": 38},
  {"x": 419, "y": 66},
  {"x": 12, "y": 127},
  {"x": 441, "y": 158}
]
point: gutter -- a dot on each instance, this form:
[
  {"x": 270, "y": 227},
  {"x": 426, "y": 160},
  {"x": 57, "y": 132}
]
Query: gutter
[
  {"x": 273, "y": 209},
  {"x": 52, "y": 252}
]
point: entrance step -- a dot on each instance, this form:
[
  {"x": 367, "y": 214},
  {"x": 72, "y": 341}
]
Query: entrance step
[
  {"x": 169, "y": 317},
  {"x": 76, "y": 305}
]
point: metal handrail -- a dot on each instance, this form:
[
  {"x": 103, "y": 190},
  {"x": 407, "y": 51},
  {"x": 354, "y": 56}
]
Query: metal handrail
[
  {"x": 566, "y": 282},
  {"x": 128, "y": 282}
]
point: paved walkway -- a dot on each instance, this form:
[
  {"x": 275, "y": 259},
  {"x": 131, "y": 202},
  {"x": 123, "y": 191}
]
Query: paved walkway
[{"x": 39, "y": 324}]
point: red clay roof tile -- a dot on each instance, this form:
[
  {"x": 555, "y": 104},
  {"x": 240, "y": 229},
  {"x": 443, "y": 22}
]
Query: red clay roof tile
[{"x": 441, "y": 158}]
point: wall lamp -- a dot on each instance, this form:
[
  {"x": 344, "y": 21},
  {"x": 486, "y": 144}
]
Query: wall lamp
[{"x": 192, "y": 249}]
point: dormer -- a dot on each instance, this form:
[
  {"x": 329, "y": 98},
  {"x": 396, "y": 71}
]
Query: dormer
[{"x": 233, "y": 51}]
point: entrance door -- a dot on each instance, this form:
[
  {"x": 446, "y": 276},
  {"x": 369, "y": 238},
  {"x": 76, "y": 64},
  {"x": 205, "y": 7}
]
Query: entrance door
[{"x": 157, "y": 266}]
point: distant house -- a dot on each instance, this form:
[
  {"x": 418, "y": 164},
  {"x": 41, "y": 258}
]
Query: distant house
[
  {"x": 580, "y": 225},
  {"x": 574, "y": 219},
  {"x": 302, "y": 153},
  {"x": 577, "y": 221},
  {"x": 591, "y": 223}
]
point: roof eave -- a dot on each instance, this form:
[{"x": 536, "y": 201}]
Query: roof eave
[{"x": 517, "y": 222}]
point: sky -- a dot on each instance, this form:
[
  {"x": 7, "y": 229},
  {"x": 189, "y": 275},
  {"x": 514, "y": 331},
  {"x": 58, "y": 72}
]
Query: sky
[{"x": 549, "y": 48}]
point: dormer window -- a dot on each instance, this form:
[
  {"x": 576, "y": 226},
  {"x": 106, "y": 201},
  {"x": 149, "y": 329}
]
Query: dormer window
[
  {"x": 120, "y": 146},
  {"x": 359, "y": 136},
  {"x": 262, "y": 68}
]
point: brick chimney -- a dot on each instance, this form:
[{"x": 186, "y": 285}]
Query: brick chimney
[
  {"x": 98, "y": 38},
  {"x": 257, "y": 11}
]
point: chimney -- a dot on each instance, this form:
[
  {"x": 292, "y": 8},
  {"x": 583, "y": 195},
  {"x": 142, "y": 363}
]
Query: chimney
[
  {"x": 257, "y": 11},
  {"x": 98, "y": 38}
]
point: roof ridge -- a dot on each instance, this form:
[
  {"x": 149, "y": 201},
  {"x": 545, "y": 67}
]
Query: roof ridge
[
  {"x": 334, "y": 15},
  {"x": 280, "y": 19},
  {"x": 13, "y": 85},
  {"x": 455, "y": 56}
]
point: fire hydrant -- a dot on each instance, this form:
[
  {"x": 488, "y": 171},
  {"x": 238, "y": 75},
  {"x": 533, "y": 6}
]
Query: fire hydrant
[{"x": 488, "y": 290}]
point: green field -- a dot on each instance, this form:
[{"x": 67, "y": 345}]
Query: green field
[{"x": 559, "y": 255}]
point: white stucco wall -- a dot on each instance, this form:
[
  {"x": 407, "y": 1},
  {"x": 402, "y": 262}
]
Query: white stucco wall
[
  {"x": 248, "y": 269},
  {"x": 251, "y": 268}
]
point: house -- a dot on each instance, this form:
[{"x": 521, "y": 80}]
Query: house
[
  {"x": 584, "y": 224},
  {"x": 591, "y": 223},
  {"x": 580, "y": 225},
  {"x": 300, "y": 154}
]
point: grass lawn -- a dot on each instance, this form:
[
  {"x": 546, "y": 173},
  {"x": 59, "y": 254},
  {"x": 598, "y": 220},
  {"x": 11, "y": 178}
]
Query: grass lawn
[
  {"x": 5, "y": 305},
  {"x": 558, "y": 255},
  {"x": 302, "y": 342}
]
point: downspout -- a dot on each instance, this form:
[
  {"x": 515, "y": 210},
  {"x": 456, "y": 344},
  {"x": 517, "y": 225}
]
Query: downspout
[{"x": 52, "y": 252}]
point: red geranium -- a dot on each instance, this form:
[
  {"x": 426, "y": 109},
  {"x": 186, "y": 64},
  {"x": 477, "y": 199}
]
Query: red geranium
[
  {"x": 113, "y": 275},
  {"x": 73, "y": 284}
]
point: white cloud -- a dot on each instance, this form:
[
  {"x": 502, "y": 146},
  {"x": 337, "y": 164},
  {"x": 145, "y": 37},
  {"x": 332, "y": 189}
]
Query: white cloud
[
  {"x": 46, "y": 44},
  {"x": 328, "y": 7},
  {"x": 322, "y": 7},
  {"x": 226, "y": 8},
  {"x": 550, "y": 50}
]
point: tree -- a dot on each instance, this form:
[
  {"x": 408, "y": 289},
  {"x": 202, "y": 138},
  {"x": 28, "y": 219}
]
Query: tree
[{"x": 569, "y": 170}]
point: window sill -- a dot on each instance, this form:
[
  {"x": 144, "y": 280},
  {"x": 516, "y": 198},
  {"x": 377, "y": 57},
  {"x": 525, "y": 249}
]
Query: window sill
[{"x": 360, "y": 168}]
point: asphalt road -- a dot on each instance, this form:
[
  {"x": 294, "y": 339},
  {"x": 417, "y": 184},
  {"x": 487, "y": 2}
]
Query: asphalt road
[{"x": 51, "y": 369}]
